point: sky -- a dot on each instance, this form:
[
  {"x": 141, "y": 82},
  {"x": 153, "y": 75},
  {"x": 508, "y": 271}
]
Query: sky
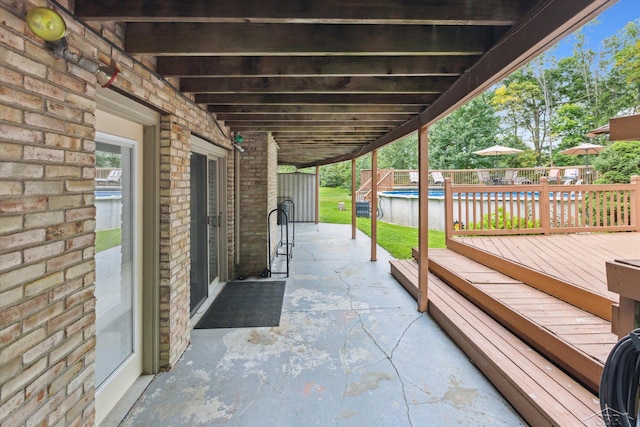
[{"x": 611, "y": 20}]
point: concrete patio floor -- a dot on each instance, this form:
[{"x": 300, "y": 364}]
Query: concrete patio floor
[{"x": 351, "y": 350}]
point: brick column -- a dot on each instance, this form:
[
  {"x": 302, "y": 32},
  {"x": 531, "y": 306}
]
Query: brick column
[
  {"x": 175, "y": 258},
  {"x": 258, "y": 196}
]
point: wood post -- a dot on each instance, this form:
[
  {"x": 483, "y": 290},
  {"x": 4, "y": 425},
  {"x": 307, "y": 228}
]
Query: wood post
[
  {"x": 317, "y": 194},
  {"x": 423, "y": 219},
  {"x": 374, "y": 204},
  {"x": 543, "y": 200},
  {"x": 635, "y": 202},
  {"x": 448, "y": 209},
  {"x": 353, "y": 198}
]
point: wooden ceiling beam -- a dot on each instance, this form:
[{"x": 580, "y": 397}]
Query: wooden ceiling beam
[
  {"x": 306, "y": 66},
  {"x": 319, "y": 85},
  {"x": 313, "y": 109},
  {"x": 325, "y": 99},
  {"x": 189, "y": 39},
  {"x": 316, "y": 129},
  {"x": 267, "y": 125},
  {"x": 453, "y": 12},
  {"x": 368, "y": 117}
]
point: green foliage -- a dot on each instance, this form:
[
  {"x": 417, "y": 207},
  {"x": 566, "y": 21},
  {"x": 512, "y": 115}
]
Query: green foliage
[
  {"x": 339, "y": 174},
  {"x": 108, "y": 160},
  {"x": 618, "y": 162},
  {"x": 402, "y": 154},
  {"x": 107, "y": 239},
  {"x": 501, "y": 220},
  {"x": 472, "y": 127}
]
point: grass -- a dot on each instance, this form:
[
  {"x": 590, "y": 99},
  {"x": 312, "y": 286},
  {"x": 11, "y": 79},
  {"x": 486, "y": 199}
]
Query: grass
[
  {"x": 398, "y": 240},
  {"x": 107, "y": 239}
]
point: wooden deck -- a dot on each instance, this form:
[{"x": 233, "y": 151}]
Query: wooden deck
[
  {"x": 578, "y": 259},
  {"x": 542, "y": 393},
  {"x": 542, "y": 294}
]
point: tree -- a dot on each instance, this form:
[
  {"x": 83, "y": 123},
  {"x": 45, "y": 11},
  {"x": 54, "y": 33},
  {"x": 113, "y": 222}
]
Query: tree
[
  {"x": 402, "y": 154},
  {"x": 618, "y": 162},
  {"x": 453, "y": 139},
  {"x": 527, "y": 99}
]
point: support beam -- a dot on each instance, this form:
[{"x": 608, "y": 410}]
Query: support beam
[
  {"x": 353, "y": 199},
  {"x": 374, "y": 205},
  {"x": 317, "y": 194},
  {"x": 423, "y": 219},
  {"x": 452, "y": 12},
  {"x": 317, "y": 99},
  {"x": 309, "y": 66},
  {"x": 242, "y": 39}
]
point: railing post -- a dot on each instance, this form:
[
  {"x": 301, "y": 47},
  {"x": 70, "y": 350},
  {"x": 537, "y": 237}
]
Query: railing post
[
  {"x": 448, "y": 208},
  {"x": 635, "y": 201},
  {"x": 544, "y": 211}
]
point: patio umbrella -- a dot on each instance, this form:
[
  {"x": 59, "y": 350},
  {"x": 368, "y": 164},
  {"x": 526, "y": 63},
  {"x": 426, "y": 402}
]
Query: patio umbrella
[
  {"x": 584, "y": 149},
  {"x": 497, "y": 150}
]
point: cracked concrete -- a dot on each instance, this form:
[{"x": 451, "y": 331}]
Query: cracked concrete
[{"x": 351, "y": 350}]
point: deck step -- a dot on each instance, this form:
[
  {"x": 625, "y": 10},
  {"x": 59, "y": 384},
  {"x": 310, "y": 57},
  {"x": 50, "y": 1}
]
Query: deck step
[
  {"x": 542, "y": 393},
  {"x": 546, "y": 323}
]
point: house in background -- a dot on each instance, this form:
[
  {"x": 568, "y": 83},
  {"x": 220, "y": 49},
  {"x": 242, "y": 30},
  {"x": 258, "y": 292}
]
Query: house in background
[{"x": 81, "y": 319}]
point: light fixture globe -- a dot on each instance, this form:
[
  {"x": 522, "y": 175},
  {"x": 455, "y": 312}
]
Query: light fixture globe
[{"x": 46, "y": 23}]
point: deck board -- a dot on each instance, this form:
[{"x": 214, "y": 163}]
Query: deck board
[
  {"x": 575, "y": 258},
  {"x": 540, "y": 319}
]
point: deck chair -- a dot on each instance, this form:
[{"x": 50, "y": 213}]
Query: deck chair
[
  {"x": 484, "y": 177},
  {"x": 437, "y": 177},
  {"x": 553, "y": 176},
  {"x": 509, "y": 177},
  {"x": 570, "y": 175},
  {"x": 414, "y": 178},
  {"x": 113, "y": 178}
]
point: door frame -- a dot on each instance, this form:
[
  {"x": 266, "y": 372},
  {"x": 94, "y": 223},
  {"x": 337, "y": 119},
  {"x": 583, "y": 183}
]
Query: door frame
[
  {"x": 201, "y": 146},
  {"x": 149, "y": 188}
]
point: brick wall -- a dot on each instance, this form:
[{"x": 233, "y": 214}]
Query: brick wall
[
  {"x": 258, "y": 196},
  {"x": 47, "y": 215}
]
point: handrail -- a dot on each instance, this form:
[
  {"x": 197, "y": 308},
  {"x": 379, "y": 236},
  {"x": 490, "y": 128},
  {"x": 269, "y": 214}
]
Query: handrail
[
  {"x": 469, "y": 176},
  {"x": 385, "y": 183},
  {"x": 541, "y": 208}
]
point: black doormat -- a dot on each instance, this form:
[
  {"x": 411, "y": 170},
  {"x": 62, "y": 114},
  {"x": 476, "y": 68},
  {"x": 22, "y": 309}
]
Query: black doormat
[{"x": 245, "y": 305}]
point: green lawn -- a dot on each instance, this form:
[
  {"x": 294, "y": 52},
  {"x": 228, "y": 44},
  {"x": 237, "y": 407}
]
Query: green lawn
[
  {"x": 107, "y": 239},
  {"x": 397, "y": 239}
]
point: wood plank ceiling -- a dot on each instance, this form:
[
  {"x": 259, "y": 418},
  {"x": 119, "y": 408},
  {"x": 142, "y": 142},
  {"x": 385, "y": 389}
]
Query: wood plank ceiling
[{"x": 333, "y": 79}]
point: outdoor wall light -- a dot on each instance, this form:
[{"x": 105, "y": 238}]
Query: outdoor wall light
[
  {"x": 49, "y": 26},
  {"x": 237, "y": 138}
]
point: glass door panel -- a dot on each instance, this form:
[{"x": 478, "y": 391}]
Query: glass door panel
[
  {"x": 215, "y": 219},
  {"x": 199, "y": 265},
  {"x": 114, "y": 259}
]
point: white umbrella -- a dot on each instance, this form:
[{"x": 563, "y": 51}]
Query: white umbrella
[
  {"x": 497, "y": 150},
  {"x": 586, "y": 149}
]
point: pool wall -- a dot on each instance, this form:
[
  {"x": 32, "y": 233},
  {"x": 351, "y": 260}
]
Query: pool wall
[{"x": 402, "y": 209}]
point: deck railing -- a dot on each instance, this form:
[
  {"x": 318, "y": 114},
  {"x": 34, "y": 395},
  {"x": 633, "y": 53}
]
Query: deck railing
[
  {"x": 401, "y": 178},
  {"x": 541, "y": 208}
]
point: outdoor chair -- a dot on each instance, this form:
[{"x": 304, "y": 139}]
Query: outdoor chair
[
  {"x": 484, "y": 177},
  {"x": 509, "y": 177},
  {"x": 414, "y": 178},
  {"x": 113, "y": 178},
  {"x": 437, "y": 177},
  {"x": 570, "y": 175},
  {"x": 553, "y": 176}
]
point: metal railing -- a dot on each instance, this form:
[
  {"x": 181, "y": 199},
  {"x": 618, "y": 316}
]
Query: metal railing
[{"x": 541, "y": 208}]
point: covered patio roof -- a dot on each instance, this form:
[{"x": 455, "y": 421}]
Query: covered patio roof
[{"x": 333, "y": 80}]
